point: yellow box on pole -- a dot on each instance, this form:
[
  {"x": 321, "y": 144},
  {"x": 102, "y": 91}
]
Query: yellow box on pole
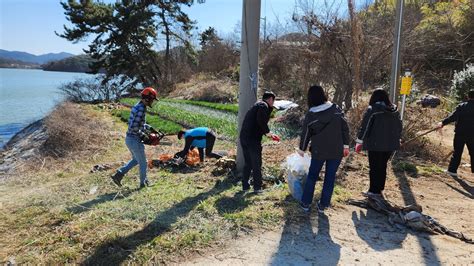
[{"x": 406, "y": 86}]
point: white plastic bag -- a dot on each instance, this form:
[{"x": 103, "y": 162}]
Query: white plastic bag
[{"x": 297, "y": 171}]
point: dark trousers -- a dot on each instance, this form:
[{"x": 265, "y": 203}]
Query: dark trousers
[
  {"x": 329, "y": 180},
  {"x": 253, "y": 164},
  {"x": 210, "y": 140},
  {"x": 458, "y": 143},
  {"x": 378, "y": 170}
]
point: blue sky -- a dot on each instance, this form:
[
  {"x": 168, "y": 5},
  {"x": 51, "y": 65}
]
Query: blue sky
[{"x": 29, "y": 25}]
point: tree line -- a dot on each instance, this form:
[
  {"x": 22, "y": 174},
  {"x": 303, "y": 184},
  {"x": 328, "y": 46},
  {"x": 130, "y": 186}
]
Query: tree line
[{"x": 152, "y": 42}]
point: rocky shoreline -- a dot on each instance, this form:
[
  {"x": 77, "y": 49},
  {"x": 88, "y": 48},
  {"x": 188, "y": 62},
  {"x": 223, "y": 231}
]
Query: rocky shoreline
[{"x": 23, "y": 146}]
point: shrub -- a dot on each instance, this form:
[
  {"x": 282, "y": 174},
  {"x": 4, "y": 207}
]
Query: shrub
[
  {"x": 462, "y": 82},
  {"x": 73, "y": 132},
  {"x": 96, "y": 90}
]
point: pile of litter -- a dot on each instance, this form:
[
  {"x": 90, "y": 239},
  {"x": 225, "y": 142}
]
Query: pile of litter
[
  {"x": 410, "y": 216},
  {"x": 164, "y": 160}
]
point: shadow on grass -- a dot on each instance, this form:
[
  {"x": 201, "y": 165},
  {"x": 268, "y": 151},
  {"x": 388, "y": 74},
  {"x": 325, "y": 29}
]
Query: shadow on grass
[
  {"x": 231, "y": 204},
  {"x": 118, "y": 250},
  {"x": 86, "y": 206}
]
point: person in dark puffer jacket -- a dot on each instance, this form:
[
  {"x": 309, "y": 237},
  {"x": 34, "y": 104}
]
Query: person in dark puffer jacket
[
  {"x": 326, "y": 128},
  {"x": 379, "y": 134},
  {"x": 464, "y": 133}
]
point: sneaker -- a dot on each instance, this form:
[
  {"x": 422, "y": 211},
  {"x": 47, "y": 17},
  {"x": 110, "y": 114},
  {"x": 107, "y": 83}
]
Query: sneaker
[
  {"x": 320, "y": 208},
  {"x": 305, "y": 207},
  {"x": 451, "y": 173},
  {"x": 117, "y": 178},
  {"x": 258, "y": 191}
]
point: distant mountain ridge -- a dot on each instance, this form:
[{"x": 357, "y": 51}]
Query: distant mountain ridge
[{"x": 31, "y": 58}]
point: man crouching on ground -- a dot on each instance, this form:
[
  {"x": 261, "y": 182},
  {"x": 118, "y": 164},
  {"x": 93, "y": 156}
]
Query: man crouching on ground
[{"x": 201, "y": 138}]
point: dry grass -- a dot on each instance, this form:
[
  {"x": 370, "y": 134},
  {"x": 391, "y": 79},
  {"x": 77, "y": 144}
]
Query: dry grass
[
  {"x": 74, "y": 132},
  {"x": 206, "y": 88}
]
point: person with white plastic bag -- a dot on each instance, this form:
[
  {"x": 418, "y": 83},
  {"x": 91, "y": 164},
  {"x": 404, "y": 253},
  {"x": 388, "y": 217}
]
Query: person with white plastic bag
[{"x": 326, "y": 128}]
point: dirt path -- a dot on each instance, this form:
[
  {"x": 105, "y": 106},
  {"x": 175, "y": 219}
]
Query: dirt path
[{"x": 351, "y": 235}]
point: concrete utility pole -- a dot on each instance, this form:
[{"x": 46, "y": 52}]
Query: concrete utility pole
[
  {"x": 396, "y": 57},
  {"x": 356, "y": 38},
  {"x": 248, "y": 82}
]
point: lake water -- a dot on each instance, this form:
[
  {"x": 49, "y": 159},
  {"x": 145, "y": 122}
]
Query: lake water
[{"x": 27, "y": 95}]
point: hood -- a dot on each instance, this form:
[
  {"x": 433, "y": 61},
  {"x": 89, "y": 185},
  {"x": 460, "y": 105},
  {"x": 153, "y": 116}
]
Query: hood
[
  {"x": 322, "y": 107},
  {"x": 324, "y": 112},
  {"x": 381, "y": 106}
]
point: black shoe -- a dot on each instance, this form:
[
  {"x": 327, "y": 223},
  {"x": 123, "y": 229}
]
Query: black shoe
[
  {"x": 117, "y": 178},
  {"x": 145, "y": 184}
]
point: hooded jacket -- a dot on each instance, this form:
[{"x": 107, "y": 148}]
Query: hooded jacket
[
  {"x": 381, "y": 128},
  {"x": 464, "y": 118},
  {"x": 326, "y": 127},
  {"x": 255, "y": 123}
]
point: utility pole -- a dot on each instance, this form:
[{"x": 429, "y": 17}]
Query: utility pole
[
  {"x": 248, "y": 81},
  {"x": 356, "y": 33},
  {"x": 396, "y": 57}
]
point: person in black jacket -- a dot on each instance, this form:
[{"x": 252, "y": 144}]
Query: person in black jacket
[
  {"x": 464, "y": 133},
  {"x": 326, "y": 128},
  {"x": 379, "y": 134},
  {"x": 254, "y": 127}
]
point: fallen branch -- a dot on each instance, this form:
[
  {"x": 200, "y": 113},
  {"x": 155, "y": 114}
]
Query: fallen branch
[{"x": 410, "y": 216}]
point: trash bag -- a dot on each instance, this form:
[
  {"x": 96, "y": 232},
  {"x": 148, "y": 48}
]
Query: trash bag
[
  {"x": 429, "y": 101},
  {"x": 297, "y": 171}
]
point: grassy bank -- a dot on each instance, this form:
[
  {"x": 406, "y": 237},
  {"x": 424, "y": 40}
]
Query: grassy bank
[{"x": 66, "y": 214}]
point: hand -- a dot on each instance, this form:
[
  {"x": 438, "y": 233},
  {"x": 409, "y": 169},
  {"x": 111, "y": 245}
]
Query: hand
[
  {"x": 358, "y": 147},
  {"x": 346, "y": 152},
  {"x": 300, "y": 152},
  {"x": 439, "y": 125}
]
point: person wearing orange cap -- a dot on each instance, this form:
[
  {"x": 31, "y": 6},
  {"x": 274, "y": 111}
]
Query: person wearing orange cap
[{"x": 136, "y": 125}]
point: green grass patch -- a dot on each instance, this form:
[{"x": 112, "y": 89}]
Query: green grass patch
[
  {"x": 429, "y": 169},
  {"x": 233, "y": 108},
  {"x": 166, "y": 126},
  {"x": 222, "y": 127},
  {"x": 407, "y": 167}
]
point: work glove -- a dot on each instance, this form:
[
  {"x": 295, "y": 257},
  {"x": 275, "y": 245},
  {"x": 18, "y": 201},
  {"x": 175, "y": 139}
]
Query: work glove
[
  {"x": 358, "y": 147},
  {"x": 274, "y": 137},
  {"x": 346, "y": 152}
]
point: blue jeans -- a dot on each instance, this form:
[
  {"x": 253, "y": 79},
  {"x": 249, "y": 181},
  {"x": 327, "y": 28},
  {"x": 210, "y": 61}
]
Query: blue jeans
[
  {"x": 329, "y": 180},
  {"x": 137, "y": 149}
]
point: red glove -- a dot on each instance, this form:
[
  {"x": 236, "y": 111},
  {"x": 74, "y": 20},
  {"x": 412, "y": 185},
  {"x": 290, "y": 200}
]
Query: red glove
[
  {"x": 358, "y": 147},
  {"x": 346, "y": 152},
  {"x": 275, "y": 138}
]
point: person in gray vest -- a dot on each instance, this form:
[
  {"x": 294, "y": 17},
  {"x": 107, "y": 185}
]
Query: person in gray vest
[
  {"x": 463, "y": 116},
  {"x": 200, "y": 138}
]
